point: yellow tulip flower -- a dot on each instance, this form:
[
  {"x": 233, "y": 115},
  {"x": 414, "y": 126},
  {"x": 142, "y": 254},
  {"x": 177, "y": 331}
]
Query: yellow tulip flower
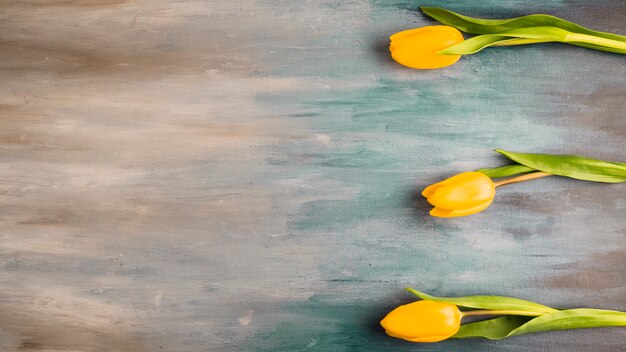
[
  {"x": 423, "y": 321},
  {"x": 461, "y": 195},
  {"x": 417, "y": 48},
  {"x": 468, "y": 193}
]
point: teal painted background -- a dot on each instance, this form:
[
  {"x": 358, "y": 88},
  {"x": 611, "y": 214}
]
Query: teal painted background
[{"x": 245, "y": 175}]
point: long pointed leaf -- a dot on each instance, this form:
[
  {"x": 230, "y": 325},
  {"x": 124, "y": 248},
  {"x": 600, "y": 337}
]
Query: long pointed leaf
[
  {"x": 495, "y": 26},
  {"x": 599, "y": 47},
  {"x": 503, "y": 327},
  {"x": 597, "y": 43},
  {"x": 530, "y": 35},
  {"x": 487, "y": 302},
  {"x": 573, "y": 166},
  {"x": 504, "y": 171},
  {"x": 572, "y": 319},
  {"x": 546, "y": 33},
  {"x": 478, "y": 43},
  {"x": 494, "y": 329}
]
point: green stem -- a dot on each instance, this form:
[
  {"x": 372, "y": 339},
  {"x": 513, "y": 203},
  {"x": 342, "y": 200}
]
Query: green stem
[
  {"x": 590, "y": 39},
  {"x": 500, "y": 312}
]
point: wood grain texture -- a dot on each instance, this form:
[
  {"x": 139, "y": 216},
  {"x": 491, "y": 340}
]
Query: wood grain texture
[{"x": 243, "y": 175}]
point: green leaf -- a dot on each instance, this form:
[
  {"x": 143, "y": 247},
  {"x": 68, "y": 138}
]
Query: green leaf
[
  {"x": 507, "y": 326},
  {"x": 494, "y": 329},
  {"x": 572, "y": 319},
  {"x": 573, "y": 166},
  {"x": 487, "y": 302},
  {"x": 595, "y": 47},
  {"x": 598, "y": 43},
  {"x": 495, "y": 26},
  {"x": 476, "y": 44},
  {"x": 505, "y": 171},
  {"x": 528, "y": 35}
]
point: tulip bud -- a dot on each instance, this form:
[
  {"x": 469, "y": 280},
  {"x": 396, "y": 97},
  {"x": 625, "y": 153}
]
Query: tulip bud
[
  {"x": 423, "y": 321},
  {"x": 417, "y": 48},
  {"x": 464, "y": 194}
]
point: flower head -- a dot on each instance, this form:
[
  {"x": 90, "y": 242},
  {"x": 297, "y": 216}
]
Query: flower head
[
  {"x": 417, "y": 48},
  {"x": 464, "y": 194},
  {"x": 423, "y": 321}
]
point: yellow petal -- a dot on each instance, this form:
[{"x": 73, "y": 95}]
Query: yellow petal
[
  {"x": 396, "y": 38},
  {"x": 458, "y": 177},
  {"x": 431, "y": 189},
  {"x": 448, "y": 213},
  {"x": 473, "y": 189},
  {"x": 423, "y": 321},
  {"x": 417, "y": 48},
  {"x": 406, "y": 33}
]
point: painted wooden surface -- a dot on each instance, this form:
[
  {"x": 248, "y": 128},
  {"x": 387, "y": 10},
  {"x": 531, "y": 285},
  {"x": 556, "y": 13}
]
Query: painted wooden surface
[{"x": 243, "y": 175}]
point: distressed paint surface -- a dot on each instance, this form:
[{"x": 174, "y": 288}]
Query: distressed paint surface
[{"x": 242, "y": 176}]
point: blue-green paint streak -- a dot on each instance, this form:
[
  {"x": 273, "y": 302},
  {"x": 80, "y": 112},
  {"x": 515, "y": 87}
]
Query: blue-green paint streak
[{"x": 399, "y": 130}]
